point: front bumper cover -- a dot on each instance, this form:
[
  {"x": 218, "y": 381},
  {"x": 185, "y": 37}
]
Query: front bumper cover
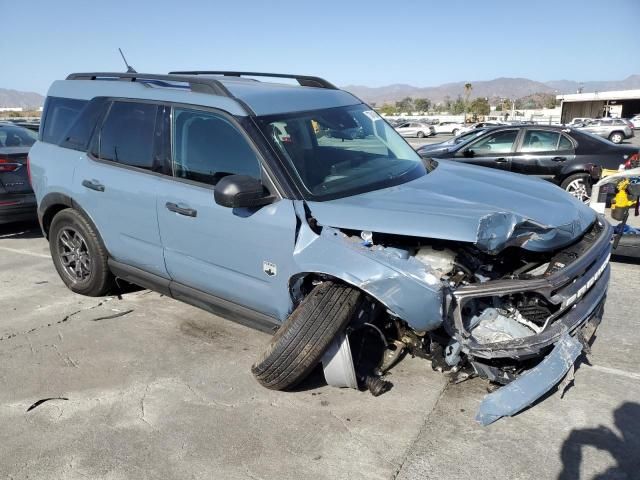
[{"x": 537, "y": 381}]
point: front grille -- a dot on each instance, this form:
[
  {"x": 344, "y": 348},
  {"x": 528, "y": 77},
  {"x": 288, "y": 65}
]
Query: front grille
[
  {"x": 558, "y": 301},
  {"x": 534, "y": 312}
]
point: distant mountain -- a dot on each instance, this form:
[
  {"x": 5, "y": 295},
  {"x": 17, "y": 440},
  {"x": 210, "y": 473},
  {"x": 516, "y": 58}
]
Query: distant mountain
[
  {"x": 15, "y": 98},
  {"x": 568, "y": 86},
  {"x": 497, "y": 88}
]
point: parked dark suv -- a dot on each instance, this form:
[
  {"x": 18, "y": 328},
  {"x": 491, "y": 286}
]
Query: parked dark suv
[
  {"x": 226, "y": 193},
  {"x": 564, "y": 155}
]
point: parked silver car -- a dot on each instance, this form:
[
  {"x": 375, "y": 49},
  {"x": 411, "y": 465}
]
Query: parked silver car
[
  {"x": 615, "y": 129},
  {"x": 415, "y": 129}
]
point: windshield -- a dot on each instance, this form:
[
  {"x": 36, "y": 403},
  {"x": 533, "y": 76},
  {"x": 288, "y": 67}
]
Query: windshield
[
  {"x": 342, "y": 151},
  {"x": 16, "y": 137}
]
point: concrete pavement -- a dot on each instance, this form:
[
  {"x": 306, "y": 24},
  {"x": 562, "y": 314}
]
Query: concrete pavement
[{"x": 147, "y": 387}]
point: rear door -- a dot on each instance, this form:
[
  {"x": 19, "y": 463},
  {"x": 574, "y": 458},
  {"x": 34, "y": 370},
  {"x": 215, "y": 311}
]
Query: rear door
[
  {"x": 542, "y": 152},
  {"x": 117, "y": 183},
  {"x": 493, "y": 150}
]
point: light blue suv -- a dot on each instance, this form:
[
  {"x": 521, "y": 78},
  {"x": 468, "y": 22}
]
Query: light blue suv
[{"x": 254, "y": 200}]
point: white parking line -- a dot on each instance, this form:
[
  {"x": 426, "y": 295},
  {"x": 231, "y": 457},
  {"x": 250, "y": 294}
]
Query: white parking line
[
  {"x": 25, "y": 252},
  {"x": 615, "y": 371}
]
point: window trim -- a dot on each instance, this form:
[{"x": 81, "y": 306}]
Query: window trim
[{"x": 267, "y": 175}]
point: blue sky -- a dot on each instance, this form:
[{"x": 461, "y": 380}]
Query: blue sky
[{"x": 370, "y": 42}]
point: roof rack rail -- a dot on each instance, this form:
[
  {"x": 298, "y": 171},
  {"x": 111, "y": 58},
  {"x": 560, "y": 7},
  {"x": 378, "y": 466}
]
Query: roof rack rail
[
  {"x": 303, "y": 80},
  {"x": 199, "y": 85}
]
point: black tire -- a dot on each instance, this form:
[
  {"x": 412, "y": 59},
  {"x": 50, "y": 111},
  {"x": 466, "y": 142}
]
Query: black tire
[
  {"x": 420, "y": 135},
  {"x": 584, "y": 178},
  {"x": 616, "y": 137},
  {"x": 299, "y": 344},
  {"x": 99, "y": 279},
  {"x": 455, "y": 132}
]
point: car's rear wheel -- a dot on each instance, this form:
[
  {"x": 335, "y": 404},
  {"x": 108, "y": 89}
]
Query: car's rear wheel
[
  {"x": 616, "y": 137},
  {"x": 578, "y": 185},
  {"x": 420, "y": 134},
  {"x": 455, "y": 132},
  {"x": 78, "y": 254},
  {"x": 298, "y": 346}
]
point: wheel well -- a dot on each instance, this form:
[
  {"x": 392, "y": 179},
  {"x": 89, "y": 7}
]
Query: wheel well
[
  {"x": 617, "y": 131},
  {"x": 51, "y": 212}
]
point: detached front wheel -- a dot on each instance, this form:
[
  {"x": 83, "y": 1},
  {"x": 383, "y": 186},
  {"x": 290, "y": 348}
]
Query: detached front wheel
[
  {"x": 298, "y": 346},
  {"x": 578, "y": 185}
]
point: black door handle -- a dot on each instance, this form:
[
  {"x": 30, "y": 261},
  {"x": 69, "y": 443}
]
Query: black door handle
[
  {"x": 188, "y": 212},
  {"x": 559, "y": 159},
  {"x": 93, "y": 185},
  {"x": 501, "y": 160}
]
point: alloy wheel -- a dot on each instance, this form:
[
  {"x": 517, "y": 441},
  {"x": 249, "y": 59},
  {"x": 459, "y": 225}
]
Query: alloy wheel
[
  {"x": 74, "y": 254},
  {"x": 578, "y": 188}
]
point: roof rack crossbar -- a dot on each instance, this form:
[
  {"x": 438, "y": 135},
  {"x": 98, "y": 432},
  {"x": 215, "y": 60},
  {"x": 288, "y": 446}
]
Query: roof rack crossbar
[
  {"x": 303, "y": 80},
  {"x": 200, "y": 85}
]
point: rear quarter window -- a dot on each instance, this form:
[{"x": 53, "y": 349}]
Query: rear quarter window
[{"x": 58, "y": 116}]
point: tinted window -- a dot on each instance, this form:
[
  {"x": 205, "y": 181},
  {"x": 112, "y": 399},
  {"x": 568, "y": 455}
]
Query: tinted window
[
  {"x": 16, "y": 137},
  {"x": 540, "y": 141},
  {"x": 208, "y": 146},
  {"x": 59, "y": 114},
  {"x": 565, "y": 143},
  {"x": 499, "y": 142},
  {"x": 77, "y": 137},
  {"x": 127, "y": 134}
]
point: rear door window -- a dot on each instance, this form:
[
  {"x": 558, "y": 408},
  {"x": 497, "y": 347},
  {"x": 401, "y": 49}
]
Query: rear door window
[
  {"x": 59, "y": 114},
  {"x": 540, "y": 141},
  {"x": 127, "y": 135}
]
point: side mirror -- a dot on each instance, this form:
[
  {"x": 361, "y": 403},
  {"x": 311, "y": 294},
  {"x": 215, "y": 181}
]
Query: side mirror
[
  {"x": 241, "y": 191},
  {"x": 467, "y": 152}
]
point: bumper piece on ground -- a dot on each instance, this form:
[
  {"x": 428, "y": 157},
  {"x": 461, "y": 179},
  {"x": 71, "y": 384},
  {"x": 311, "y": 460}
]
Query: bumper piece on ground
[{"x": 534, "y": 383}]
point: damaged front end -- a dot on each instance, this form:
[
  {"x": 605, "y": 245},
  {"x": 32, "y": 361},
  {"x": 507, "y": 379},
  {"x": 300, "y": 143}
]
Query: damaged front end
[
  {"x": 505, "y": 326},
  {"x": 516, "y": 317}
]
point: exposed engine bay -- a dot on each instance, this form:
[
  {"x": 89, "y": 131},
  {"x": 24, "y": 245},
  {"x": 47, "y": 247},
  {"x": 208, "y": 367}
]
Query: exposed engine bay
[{"x": 491, "y": 329}]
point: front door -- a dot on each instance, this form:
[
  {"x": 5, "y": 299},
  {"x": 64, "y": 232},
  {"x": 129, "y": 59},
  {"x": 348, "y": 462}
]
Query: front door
[
  {"x": 542, "y": 153},
  {"x": 239, "y": 255}
]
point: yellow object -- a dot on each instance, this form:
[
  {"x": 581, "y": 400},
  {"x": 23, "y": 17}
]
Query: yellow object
[
  {"x": 606, "y": 172},
  {"x": 622, "y": 199}
]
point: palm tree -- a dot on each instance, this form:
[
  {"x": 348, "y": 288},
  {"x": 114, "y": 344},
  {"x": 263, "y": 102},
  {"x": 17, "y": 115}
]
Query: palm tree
[{"x": 467, "y": 93}]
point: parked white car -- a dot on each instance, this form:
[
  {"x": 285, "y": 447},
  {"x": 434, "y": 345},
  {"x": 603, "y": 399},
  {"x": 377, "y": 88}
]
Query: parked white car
[
  {"x": 635, "y": 120},
  {"x": 449, "y": 127},
  {"x": 415, "y": 129}
]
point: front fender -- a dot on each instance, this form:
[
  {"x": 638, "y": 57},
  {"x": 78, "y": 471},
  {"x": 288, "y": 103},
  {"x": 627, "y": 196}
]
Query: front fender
[{"x": 405, "y": 286}]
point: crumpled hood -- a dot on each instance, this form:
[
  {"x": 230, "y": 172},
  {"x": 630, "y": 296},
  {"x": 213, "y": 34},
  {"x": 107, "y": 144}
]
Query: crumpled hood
[{"x": 490, "y": 208}]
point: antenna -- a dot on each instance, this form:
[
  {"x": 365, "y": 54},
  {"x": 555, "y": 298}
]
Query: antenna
[{"x": 130, "y": 69}]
